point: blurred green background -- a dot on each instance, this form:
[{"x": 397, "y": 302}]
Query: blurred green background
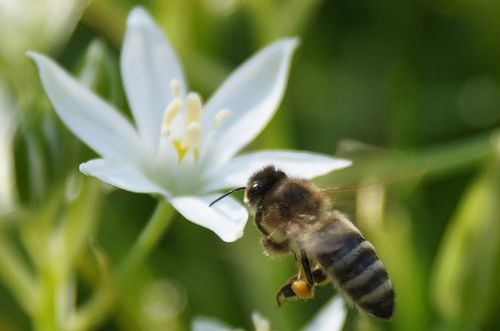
[{"x": 409, "y": 90}]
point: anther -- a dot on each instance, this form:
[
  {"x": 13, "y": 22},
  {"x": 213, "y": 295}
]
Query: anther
[
  {"x": 193, "y": 107},
  {"x": 171, "y": 112},
  {"x": 191, "y": 136},
  {"x": 175, "y": 87}
]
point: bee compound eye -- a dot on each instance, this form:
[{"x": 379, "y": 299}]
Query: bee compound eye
[{"x": 254, "y": 191}]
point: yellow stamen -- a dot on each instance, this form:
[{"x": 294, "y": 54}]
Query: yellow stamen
[
  {"x": 193, "y": 108},
  {"x": 222, "y": 114},
  {"x": 187, "y": 137},
  {"x": 191, "y": 136},
  {"x": 171, "y": 112},
  {"x": 175, "y": 87}
]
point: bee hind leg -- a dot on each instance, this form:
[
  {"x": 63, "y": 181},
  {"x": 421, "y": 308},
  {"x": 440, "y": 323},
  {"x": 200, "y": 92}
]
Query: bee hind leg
[
  {"x": 297, "y": 288},
  {"x": 294, "y": 289},
  {"x": 286, "y": 293},
  {"x": 300, "y": 286},
  {"x": 305, "y": 267}
]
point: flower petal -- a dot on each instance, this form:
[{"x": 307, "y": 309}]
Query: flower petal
[
  {"x": 202, "y": 323},
  {"x": 148, "y": 65},
  {"x": 330, "y": 318},
  {"x": 227, "y": 218},
  {"x": 252, "y": 95},
  {"x": 121, "y": 175},
  {"x": 89, "y": 117},
  {"x": 295, "y": 164}
]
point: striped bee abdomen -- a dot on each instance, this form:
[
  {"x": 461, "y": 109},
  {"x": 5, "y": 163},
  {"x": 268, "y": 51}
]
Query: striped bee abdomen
[{"x": 353, "y": 265}]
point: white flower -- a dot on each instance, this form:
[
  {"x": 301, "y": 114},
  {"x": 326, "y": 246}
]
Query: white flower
[
  {"x": 40, "y": 24},
  {"x": 260, "y": 322},
  {"x": 180, "y": 148},
  {"x": 330, "y": 318},
  {"x": 202, "y": 323}
]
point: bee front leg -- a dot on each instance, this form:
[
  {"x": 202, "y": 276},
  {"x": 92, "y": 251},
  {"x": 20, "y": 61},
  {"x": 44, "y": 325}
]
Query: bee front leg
[{"x": 273, "y": 247}]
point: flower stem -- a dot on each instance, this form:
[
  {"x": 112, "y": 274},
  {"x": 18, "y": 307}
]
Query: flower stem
[
  {"x": 102, "y": 301},
  {"x": 149, "y": 237}
]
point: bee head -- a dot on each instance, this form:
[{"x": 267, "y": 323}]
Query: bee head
[{"x": 261, "y": 182}]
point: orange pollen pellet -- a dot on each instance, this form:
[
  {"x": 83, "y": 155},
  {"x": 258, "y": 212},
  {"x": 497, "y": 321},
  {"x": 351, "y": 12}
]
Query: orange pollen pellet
[{"x": 302, "y": 290}]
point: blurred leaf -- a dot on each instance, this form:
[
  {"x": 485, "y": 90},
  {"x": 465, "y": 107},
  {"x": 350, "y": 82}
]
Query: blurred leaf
[
  {"x": 31, "y": 178},
  {"x": 67, "y": 220},
  {"x": 465, "y": 281},
  {"x": 271, "y": 18},
  {"x": 40, "y": 25},
  {"x": 98, "y": 306},
  {"x": 99, "y": 71},
  {"x": 8, "y": 123},
  {"x": 15, "y": 273},
  {"x": 35, "y": 232},
  {"x": 84, "y": 197},
  {"x": 108, "y": 19},
  {"x": 391, "y": 234},
  {"x": 432, "y": 162},
  {"x": 54, "y": 236},
  {"x": 429, "y": 84}
]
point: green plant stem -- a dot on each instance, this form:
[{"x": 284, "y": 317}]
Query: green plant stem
[
  {"x": 431, "y": 162},
  {"x": 102, "y": 301},
  {"x": 45, "y": 316},
  {"x": 16, "y": 275},
  {"x": 148, "y": 239}
]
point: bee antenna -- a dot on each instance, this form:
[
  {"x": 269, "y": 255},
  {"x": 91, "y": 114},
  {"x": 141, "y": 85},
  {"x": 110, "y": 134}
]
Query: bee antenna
[{"x": 226, "y": 194}]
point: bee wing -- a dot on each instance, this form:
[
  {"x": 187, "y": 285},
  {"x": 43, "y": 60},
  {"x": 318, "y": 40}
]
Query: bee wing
[
  {"x": 323, "y": 236},
  {"x": 302, "y": 230}
]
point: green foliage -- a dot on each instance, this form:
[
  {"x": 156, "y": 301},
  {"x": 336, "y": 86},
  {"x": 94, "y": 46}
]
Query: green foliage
[{"x": 468, "y": 261}]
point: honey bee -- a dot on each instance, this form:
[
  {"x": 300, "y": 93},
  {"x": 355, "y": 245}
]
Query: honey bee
[{"x": 295, "y": 216}]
